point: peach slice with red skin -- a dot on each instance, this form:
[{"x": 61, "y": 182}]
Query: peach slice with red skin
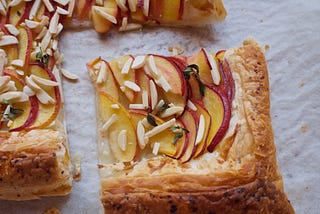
[
  {"x": 109, "y": 86},
  {"x": 122, "y": 122},
  {"x": 47, "y": 112},
  {"x": 166, "y": 11},
  {"x": 143, "y": 81},
  {"x": 101, "y": 24},
  {"x": 25, "y": 46},
  {"x": 17, "y": 14},
  {"x": 30, "y": 108},
  {"x": 83, "y": 7}
]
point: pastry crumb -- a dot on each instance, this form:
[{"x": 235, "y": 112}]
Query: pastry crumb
[
  {"x": 52, "y": 210},
  {"x": 304, "y": 128},
  {"x": 267, "y": 47},
  {"x": 176, "y": 50},
  {"x": 76, "y": 160},
  {"x": 302, "y": 84}
]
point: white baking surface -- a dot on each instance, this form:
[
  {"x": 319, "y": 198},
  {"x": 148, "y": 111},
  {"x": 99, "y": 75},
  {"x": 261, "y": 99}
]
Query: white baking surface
[{"x": 292, "y": 30}]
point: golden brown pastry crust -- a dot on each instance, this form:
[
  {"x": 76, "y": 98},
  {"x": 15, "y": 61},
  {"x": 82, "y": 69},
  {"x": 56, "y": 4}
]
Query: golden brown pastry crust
[
  {"x": 34, "y": 164},
  {"x": 243, "y": 178}
]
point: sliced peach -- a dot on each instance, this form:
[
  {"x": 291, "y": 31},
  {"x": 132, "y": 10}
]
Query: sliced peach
[
  {"x": 171, "y": 10},
  {"x": 144, "y": 82},
  {"x": 116, "y": 66},
  {"x": 189, "y": 120},
  {"x": 101, "y": 24},
  {"x": 202, "y": 145},
  {"x": 82, "y": 8},
  {"x": 201, "y": 60},
  {"x": 47, "y": 112},
  {"x": 109, "y": 86},
  {"x": 123, "y": 122},
  {"x": 25, "y": 45},
  {"x": 18, "y": 13},
  {"x": 11, "y": 51}
]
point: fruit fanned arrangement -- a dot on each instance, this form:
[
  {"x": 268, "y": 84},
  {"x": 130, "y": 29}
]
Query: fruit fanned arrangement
[{"x": 175, "y": 106}]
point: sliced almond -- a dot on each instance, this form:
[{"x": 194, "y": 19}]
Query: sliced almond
[
  {"x": 122, "y": 5},
  {"x": 160, "y": 128},
  {"x": 130, "y": 26},
  {"x": 31, "y": 24},
  {"x": 31, "y": 84},
  {"x": 57, "y": 74},
  {"x": 133, "y": 86},
  {"x": 105, "y": 15},
  {"x": 10, "y": 86},
  {"x": 20, "y": 72},
  {"x": 140, "y": 135},
  {"x": 172, "y": 111},
  {"x": 109, "y": 122},
  {"x": 34, "y": 9},
  {"x": 12, "y": 29},
  {"x": 71, "y": 7},
  {"x": 138, "y": 62},
  {"x": 4, "y": 80},
  {"x": 159, "y": 105},
  {"x": 214, "y": 70},
  {"x": 55, "y": 44},
  {"x": 153, "y": 68},
  {"x": 53, "y": 26},
  {"x": 145, "y": 98},
  {"x": 191, "y": 105},
  {"x": 145, "y": 123},
  {"x": 8, "y": 40},
  {"x": 14, "y": 96},
  {"x": 127, "y": 65},
  {"x": 62, "y": 11},
  {"x": 27, "y": 90},
  {"x": 14, "y": 3},
  {"x": 3, "y": 10},
  {"x": 45, "y": 41},
  {"x": 62, "y": 2},
  {"x": 164, "y": 84},
  {"x": 102, "y": 76},
  {"x": 200, "y": 132},
  {"x": 48, "y": 5},
  {"x": 17, "y": 62},
  {"x": 138, "y": 106},
  {"x": 122, "y": 140},
  {"x": 43, "y": 81},
  {"x": 68, "y": 74},
  {"x": 154, "y": 94},
  {"x": 132, "y": 5},
  {"x": 155, "y": 149},
  {"x": 99, "y": 2},
  {"x": 42, "y": 33},
  {"x": 115, "y": 106},
  {"x": 44, "y": 97},
  {"x": 146, "y": 5},
  {"x": 176, "y": 50}
]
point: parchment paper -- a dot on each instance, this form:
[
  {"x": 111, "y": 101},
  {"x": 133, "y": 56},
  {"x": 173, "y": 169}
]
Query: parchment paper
[{"x": 292, "y": 30}]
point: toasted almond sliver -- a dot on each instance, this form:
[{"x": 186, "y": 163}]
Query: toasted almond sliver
[
  {"x": 133, "y": 86},
  {"x": 99, "y": 2},
  {"x": 132, "y": 5},
  {"x": 126, "y": 67},
  {"x": 17, "y": 62},
  {"x": 115, "y": 106},
  {"x": 44, "y": 97},
  {"x": 154, "y": 94},
  {"x": 153, "y": 68},
  {"x": 102, "y": 76},
  {"x": 138, "y": 62},
  {"x": 145, "y": 123},
  {"x": 109, "y": 122},
  {"x": 130, "y": 26},
  {"x": 60, "y": 28},
  {"x": 31, "y": 24},
  {"x": 53, "y": 26},
  {"x": 62, "y": 2},
  {"x": 156, "y": 148},
  {"x": 164, "y": 84},
  {"x": 156, "y": 130},
  {"x": 34, "y": 9},
  {"x": 140, "y": 135},
  {"x": 172, "y": 111},
  {"x": 43, "y": 81},
  {"x": 62, "y": 11},
  {"x": 14, "y": 3},
  {"x": 56, "y": 72},
  {"x": 68, "y": 74},
  {"x": 200, "y": 132},
  {"x": 71, "y": 7},
  {"x": 4, "y": 80},
  {"x": 146, "y": 5},
  {"x": 45, "y": 41},
  {"x": 10, "y": 86},
  {"x": 191, "y": 105},
  {"x": 48, "y": 5},
  {"x": 138, "y": 106},
  {"x": 145, "y": 98},
  {"x": 214, "y": 70},
  {"x": 8, "y": 40},
  {"x": 27, "y": 90},
  {"x": 122, "y": 140},
  {"x": 105, "y": 15},
  {"x": 42, "y": 33},
  {"x": 14, "y": 96},
  {"x": 3, "y": 10},
  {"x": 31, "y": 84},
  {"x": 12, "y": 29},
  {"x": 122, "y": 5},
  {"x": 159, "y": 105}
]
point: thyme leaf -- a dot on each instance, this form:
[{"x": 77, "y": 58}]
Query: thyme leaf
[
  {"x": 177, "y": 136},
  {"x": 193, "y": 70},
  {"x": 151, "y": 120},
  {"x": 42, "y": 57}
]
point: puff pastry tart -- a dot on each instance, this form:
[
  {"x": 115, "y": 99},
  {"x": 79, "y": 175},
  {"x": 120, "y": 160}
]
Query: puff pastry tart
[
  {"x": 34, "y": 159},
  {"x": 187, "y": 134}
]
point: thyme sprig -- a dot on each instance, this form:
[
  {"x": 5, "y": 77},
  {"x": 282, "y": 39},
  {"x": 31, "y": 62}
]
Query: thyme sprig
[{"x": 193, "y": 70}]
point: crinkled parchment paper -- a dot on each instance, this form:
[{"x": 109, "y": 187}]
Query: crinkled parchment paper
[{"x": 292, "y": 31}]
